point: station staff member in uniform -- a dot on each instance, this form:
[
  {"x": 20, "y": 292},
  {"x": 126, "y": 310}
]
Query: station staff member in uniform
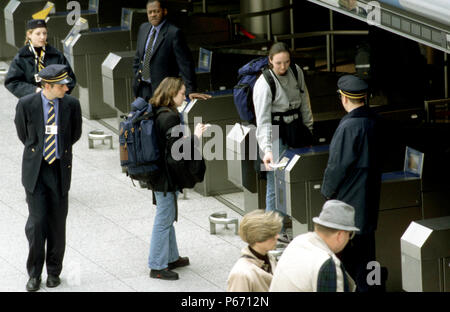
[
  {"x": 48, "y": 123},
  {"x": 353, "y": 174},
  {"x": 161, "y": 52},
  {"x": 21, "y": 78}
]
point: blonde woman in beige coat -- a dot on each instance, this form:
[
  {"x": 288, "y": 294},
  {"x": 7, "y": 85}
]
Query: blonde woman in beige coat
[{"x": 253, "y": 271}]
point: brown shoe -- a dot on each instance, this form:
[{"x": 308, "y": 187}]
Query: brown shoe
[
  {"x": 181, "y": 262},
  {"x": 164, "y": 274}
]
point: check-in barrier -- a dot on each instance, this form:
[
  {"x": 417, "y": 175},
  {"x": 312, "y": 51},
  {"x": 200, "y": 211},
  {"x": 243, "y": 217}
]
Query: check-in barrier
[
  {"x": 86, "y": 49},
  {"x": 59, "y": 25},
  {"x": 7, "y": 51},
  {"x": 17, "y": 13},
  {"x": 219, "y": 111},
  {"x": 242, "y": 152},
  {"x": 425, "y": 255},
  {"x": 297, "y": 185},
  {"x": 117, "y": 76}
]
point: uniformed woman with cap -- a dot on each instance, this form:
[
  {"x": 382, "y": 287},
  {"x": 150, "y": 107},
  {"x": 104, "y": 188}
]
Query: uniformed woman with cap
[{"x": 34, "y": 56}]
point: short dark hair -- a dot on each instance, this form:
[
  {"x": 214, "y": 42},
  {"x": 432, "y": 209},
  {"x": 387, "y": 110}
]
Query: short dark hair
[
  {"x": 162, "y": 3},
  {"x": 278, "y": 47}
]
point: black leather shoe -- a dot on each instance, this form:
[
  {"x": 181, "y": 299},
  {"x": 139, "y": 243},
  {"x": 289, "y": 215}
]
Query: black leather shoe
[
  {"x": 53, "y": 281},
  {"x": 164, "y": 274},
  {"x": 33, "y": 284},
  {"x": 181, "y": 262}
]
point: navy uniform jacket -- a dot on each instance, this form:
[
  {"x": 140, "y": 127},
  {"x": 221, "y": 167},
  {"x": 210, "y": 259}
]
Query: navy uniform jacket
[
  {"x": 353, "y": 173},
  {"x": 170, "y": 57},
  {"x": 30, "y": 128},
  {"x": 20, "y": 79}
]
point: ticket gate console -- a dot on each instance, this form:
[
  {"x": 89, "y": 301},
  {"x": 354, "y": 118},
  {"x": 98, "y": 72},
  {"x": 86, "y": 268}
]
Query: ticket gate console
[
  {"x": 241, "y": 159},
  {"x": 86, "y": 49},
  {"x": 117, "y": 75},
  {"x": 425, "y": 255},
  {"x": 297, "y": 185},
  {"x": 17, "y": 13},
  {"x": 59, "y": 25},
  {"x": 7, "y": 51},
  {"x": 219, "y": 111}
]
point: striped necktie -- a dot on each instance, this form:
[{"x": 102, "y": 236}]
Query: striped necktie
[
  {"x": 41, "y": 60},
  {"x": 148, "y": 54},
  {"x": 50, "y": 139}
]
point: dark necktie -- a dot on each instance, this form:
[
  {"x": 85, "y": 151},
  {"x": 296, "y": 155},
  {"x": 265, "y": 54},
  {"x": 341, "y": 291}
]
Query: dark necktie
[
  {"x": 50, "y": 139},
  {"x": 148, "y": 54}
]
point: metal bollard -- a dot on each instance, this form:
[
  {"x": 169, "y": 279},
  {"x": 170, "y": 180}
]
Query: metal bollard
[
  {"x": 99, "y": 135},
  {"x": 221, "y": 218}
]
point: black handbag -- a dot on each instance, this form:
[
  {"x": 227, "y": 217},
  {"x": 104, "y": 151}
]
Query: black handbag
[{"x": 294, "y": 134}]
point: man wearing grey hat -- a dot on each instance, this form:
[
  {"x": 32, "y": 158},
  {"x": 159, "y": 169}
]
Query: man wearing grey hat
[
  {"x": 353, "y": 173},
  {"x": 309, "y": 263},
  {"x": 48, "y": 123}
]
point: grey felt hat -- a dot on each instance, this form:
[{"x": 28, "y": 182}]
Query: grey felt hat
[{"x": 337, "y": 215}]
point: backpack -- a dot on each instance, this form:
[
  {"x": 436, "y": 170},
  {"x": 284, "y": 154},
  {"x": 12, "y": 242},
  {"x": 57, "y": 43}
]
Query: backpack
[
  {"x": 243, "y": 91},
  {"x": 185, "y": 173},
  {"x": 139, "y": 152}
]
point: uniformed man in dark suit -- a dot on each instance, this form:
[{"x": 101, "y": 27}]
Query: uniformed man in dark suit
[
  {"x": 48, "y": 123},
  {"x": 162, "y": 52},
  {"x": 353, "y": 174}
]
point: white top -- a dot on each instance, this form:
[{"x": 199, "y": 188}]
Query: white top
[
  {"x": 262, "y": 99},
  {"x": 299, "y": 265}
]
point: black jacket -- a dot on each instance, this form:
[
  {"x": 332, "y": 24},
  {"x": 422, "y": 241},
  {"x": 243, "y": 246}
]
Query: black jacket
[
  {"x": 30, "y": 128},
  {"x": 20, "y": 79},
  {"x": 353, "y": 173},
  {"x": 170, "y": 57},
  {"x": 170, "y": 120}
]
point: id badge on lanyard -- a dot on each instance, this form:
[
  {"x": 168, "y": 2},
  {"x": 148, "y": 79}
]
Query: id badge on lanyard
[{"x": 51, "y": 130}]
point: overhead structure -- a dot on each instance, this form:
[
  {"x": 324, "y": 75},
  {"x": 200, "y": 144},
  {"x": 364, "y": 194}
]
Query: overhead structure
[{"x": 427, "y": 22}]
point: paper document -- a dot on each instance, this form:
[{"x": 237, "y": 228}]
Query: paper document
[{"x": 279, "y": 165}]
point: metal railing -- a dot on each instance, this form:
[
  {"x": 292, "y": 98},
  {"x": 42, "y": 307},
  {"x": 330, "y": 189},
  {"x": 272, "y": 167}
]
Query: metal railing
[{"x": 329, "y": 35}]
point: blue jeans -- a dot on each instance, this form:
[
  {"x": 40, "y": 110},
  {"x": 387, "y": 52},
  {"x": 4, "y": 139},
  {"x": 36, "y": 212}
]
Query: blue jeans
[
  {"x": 163, "y": 244},
  {"x": 270, "y": 188}
]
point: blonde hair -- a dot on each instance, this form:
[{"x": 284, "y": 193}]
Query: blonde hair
[
  {"x": 28, "y": 34},
  {"x": 166, "y": 91},
  {"x": 258, "y": 226}
]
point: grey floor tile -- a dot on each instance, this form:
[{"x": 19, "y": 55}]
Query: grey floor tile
[
  {"x": 189, "y": 281},
  {"x": 110, "y": 286},
  {"x": 7, "y": 269},
  {"x": 127, "y": 268},
  {"x": 15, "y": 283}
]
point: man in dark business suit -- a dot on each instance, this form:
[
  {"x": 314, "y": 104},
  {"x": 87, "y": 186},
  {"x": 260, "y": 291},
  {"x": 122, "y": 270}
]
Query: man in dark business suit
[
  {"x": 48, "y": 123},
  {"x": 161, "y": 52}
]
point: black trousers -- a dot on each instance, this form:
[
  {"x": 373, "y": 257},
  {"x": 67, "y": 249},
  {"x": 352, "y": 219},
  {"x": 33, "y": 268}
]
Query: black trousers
[
  {"x": 46, "y": 222},
  {"x": 145, "y": 90},
  {"x": 355, "y": 257}
]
